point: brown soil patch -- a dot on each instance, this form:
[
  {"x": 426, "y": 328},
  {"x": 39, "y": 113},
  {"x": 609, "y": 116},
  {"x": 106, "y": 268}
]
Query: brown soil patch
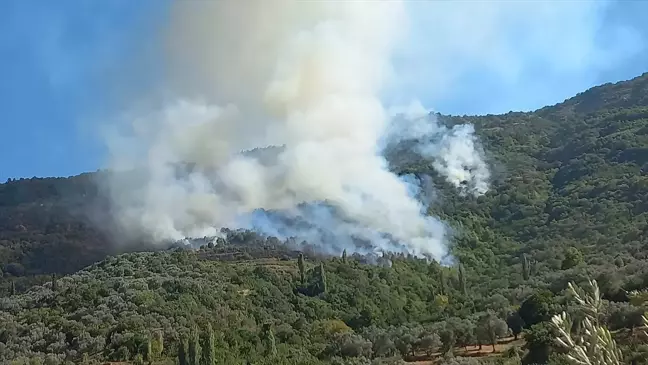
[{"x": 471, "y": 351}]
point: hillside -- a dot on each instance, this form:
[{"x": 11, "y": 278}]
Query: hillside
[{"x": 570, "y": 194}]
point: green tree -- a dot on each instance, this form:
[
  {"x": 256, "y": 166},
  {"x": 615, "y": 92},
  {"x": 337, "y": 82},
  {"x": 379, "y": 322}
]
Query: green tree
[
  {"x": 573, "y": 257},
  {"x": 539, "y": 341},
  {"x": 499, "y": 305},
  {"x": 442, "y": 281},
  {"x": 526, "y": 268},
  {"x": 157, "y": 345},
  {"x": 344, "y": 256},
  {"x": 515, "y": 323},
  {"x": 492, "y": 328},
  {"x": 54, "y": 283},
  {"x": 462, "y": 280},
  {"x": 12, "y": 288},
  {"x": 322, "y": 278},
  {"x": 269, "y": 339},
  {"x": 302, "y": 268},
  {"x": 537, "y": 308},
  {"x": 448, "y": 338},
  {"x": 194, "y": 347},
  {"x": 183, "y": 356},
  {"x": 138, "y": 360},
  {"x": 209, "y": 346},
  {"x": 429, "y": 342},
  {"x": 148, "y": 356}
]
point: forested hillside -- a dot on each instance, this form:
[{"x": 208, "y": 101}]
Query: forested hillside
[{"x": 569, "y": 201}]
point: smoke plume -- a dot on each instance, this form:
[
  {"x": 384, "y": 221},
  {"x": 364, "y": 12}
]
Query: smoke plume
[{"x": 306, "y": 78}]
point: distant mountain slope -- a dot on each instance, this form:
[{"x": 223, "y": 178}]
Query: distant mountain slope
[
  {"x": 572, "y": 174},
  {"x": 620, "y": 95}
]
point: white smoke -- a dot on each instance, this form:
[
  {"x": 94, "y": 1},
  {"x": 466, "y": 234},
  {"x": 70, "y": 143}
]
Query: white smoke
[
  {"x": 455, "y": 151},
  {"x": 306, "y": 76}
]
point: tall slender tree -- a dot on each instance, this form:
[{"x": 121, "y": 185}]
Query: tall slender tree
[
  {"x": 344, "y": 256},
  {"x": 322, "y": 278},
  {"x": 269, "y": 339},
  {"x": 194, "y": 347},
  {"x": 148, "y": 356},
  {"x": 442, "y": 282},
  {"x": 462, "y": 280},
  {"x": 54, "y": 283},
  {"x": 209, "y": 346},
  {"x": 526, "y": 267},
  {"x": 302, "y": 268},
  {"x": 183, "y": 358},
  {"x": 157, "y": 344}
]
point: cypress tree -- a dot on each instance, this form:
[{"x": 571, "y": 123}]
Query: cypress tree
[
  {"x": 269, "y": 339},
  {"x": 194, "y": 348},
  {"x": 302, "y": 268},
  {"x": 54, "y": 282},
  {"x": 148, "y": 356},
  {"x": 442, "y": 281},
  {"x": 183, "y": 358},
  {"x": 344, "y": 256},
  {"x": 526, "y": 268},
  {"x": 157, "y": 344},
  {"x": 322, "y": 278},
  {"x": 209, "y": 347},
  {"x": 462, "y": 280},
  {"x": 12, "y": 288}
]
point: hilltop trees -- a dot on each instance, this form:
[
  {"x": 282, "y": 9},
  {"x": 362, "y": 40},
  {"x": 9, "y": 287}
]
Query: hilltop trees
[{"x": 133, "y": 303}]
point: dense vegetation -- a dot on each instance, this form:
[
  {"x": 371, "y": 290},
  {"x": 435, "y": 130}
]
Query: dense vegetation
[{"x": 569, "y": 201}]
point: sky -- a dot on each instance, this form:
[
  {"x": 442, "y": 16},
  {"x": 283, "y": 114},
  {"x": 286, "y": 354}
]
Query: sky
[{"x": 68, "y": 66}]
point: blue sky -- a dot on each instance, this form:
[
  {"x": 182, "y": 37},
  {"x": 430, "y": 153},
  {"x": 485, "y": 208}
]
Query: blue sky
[
  {"x": 58, "y": 72},
  {"x": 68, "y": 64}
]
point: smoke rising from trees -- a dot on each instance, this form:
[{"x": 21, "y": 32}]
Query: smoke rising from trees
[{"x": 305, "y": 76}]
